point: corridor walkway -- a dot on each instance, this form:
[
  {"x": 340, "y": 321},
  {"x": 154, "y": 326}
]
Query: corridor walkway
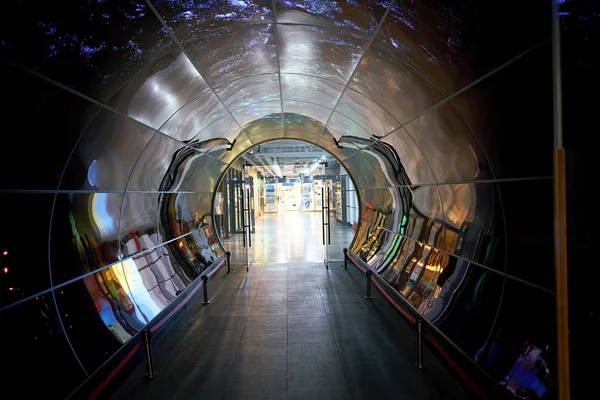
[
  {"x": 291, "y": 236},
  {"x": 290, "y": 331}
]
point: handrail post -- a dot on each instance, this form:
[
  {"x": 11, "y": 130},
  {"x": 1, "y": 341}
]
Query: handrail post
[
  {"x": 368, "y": 296},
  {"x": 419, "y": 363},
  {"x": 228, "y": 255},
  {"x": 147, "y": 339},
  {"x": 205, "y": 289},
  {"x": 345, "y": 258}
]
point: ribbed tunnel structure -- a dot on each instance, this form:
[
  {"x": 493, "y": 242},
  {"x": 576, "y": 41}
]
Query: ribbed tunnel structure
[{"x": 120, "y": 120}]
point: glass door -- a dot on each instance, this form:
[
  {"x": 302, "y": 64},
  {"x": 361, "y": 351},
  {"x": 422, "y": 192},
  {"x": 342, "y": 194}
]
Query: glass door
[
  {"x": 343, "y": 213},
  {"x": 246, "y": 202},
  {"x": 228, "y": 209},
  {"x": 325, "y": 207}
]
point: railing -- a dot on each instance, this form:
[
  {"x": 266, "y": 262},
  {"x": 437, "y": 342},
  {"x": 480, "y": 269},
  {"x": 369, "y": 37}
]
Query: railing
[
  {"x": 145, "y": 336},
  {"x": 466, "y": 368}
]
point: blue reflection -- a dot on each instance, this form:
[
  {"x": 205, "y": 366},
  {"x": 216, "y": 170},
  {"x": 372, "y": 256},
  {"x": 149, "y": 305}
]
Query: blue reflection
[{"x": 104, "y": 220}]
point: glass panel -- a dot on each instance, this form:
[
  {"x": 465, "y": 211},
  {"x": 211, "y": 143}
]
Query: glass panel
[
  {"x": 32, "y": 338},
  {"x": 94, "y": 51},
  {"x": 306, "y": 89},
  {"x": 266, "y": 128},
  {"x": 258, "y": 111},
  {"x": 394, "y": 85},
  {"x": 24, "y": 245},
  {"x": 194, "y": 120},
  {"x": 341, "y": 153},
  {"x": 107, "y": 151},
  {"x": 411, "y": 158},
  {"x": 193, "y": 19},
  {"x": 342, "y": 197},
  {"x": 301, "y": 110},
  {"x": 388, "y": 266},
  {"x": 383, "y": 166},
  {"x": 154, "y": 162},
  {"x": 200, "y": 248},
  {"x": 528, "y": 212},
  {"x": 153, "y": 262},
  {"x": 107, "y": 291},
  {"x": 249, "y": 90},
  {"x": 138, "y": 217},
  {"x": 84, "y": 234},
  {"x": 225, "y": 127},
  {"x": 367, "y": 113},
  {"x": 298, "y": 135},
  {"x": 84, "y": 325},
  {"x": 318, "y": 52},
  {"x": 533, "y": 332},
  {"x": 359, "y": 17},
  {"x": 377, "y": 221},
  {"x": 454, "y": 44},
  {"x": 189, "y": 173},
  {"x": 426, "y": 206},
  {"x": 449, "y": 146},
  {"x": 37, "y": 115},
  {"x": 342, "y": 125},
  {"x": 242, "y": 144},
  {"x": 476, "y": 215},
  {"x": 217, "y": 169},
  {"x": 511, "y": 127},
  {"x": 230, "y": 54},
  {"x": 159, "y": 90},
  {"x": 470, "y": 298}
]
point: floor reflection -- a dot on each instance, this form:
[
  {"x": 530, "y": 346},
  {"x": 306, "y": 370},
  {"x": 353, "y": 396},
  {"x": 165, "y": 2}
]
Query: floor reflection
[{"x": 290, "y": 237}]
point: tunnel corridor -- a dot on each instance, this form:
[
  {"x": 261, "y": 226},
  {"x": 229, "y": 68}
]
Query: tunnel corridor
[{"x": 125, "y": 117}]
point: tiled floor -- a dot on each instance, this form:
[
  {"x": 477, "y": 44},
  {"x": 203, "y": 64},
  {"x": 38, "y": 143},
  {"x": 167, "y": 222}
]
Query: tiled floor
[
  {"x": 290, "y": 237},
  {"x": 290, "y": 331}
]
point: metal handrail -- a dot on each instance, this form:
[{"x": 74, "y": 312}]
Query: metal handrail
[{"x": 423, "y": 327}]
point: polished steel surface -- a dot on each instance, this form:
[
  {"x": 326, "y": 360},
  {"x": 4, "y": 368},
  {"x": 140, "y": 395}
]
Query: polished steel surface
[{"x": 154, "y": 100}]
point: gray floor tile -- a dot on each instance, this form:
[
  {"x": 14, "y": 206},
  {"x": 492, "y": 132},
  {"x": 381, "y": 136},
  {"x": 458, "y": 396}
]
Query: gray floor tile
[
  {"x": 320, "y": 334},
  {"x": 265, "y": 355},
  {"x": 229, "y": 337},
  {"x": 307, "y": 321},
  {"x": 266, "y": 378},
  {"x": 267, "y": 322},
  {"x": 186, "y": 382},
  {"x": 345, "y": 308},
  {"x": 354, "y": 333},
  {"x": 309, "y": 302},
  {"x": 257, "y": 311},
  {"x": 365, "y": 351},
  {"x": 207, "y": 356},
  {"x": 213, "y": 324},
  {"x": 255, "y": 395},
  {"x": 270, "y": 301},
  {"x": 312, "y": 353},
  {"x": 262, "y": 337},
  {"x": 312, "y": 296},
  {"x": 316, "y": 376},
  {"x": 367, "y": 375},
  {"x": 216, "y": 311},
  {"x": 283, "y": 296},
  {"x": 351, "y": 320},
  {"x": 302, "y": 288},
  {"x": 341, "y": 393}
]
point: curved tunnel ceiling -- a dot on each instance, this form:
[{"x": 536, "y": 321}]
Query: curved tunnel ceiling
[{"x": 410, "y": 97}]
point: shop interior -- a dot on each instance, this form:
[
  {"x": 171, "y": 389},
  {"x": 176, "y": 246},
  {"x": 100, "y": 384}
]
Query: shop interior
[{"x": 282, "y": 183}]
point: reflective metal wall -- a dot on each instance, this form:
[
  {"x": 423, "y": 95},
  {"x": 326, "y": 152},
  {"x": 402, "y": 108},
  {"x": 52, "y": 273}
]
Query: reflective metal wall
[{"x": 120, "y": 120}]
